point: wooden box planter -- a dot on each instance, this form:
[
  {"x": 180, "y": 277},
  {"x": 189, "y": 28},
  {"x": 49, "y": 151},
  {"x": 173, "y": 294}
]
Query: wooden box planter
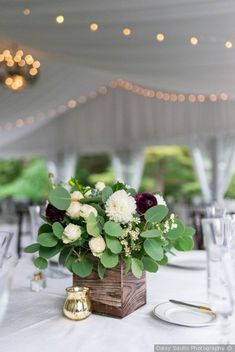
[{"x": 117, "y": 294}]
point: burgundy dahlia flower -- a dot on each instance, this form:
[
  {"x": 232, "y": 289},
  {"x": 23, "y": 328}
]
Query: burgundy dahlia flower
[
  {"x": 54, "y": 214},
  {"x": 144, "y": 201}
]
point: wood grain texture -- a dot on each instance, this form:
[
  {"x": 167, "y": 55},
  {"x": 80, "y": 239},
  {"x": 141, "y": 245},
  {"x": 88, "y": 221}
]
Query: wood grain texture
[{"x": 117, "y": 294}]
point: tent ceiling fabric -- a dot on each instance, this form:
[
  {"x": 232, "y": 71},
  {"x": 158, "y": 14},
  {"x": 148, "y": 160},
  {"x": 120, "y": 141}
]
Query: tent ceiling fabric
[{"x": 76, "y": 61}]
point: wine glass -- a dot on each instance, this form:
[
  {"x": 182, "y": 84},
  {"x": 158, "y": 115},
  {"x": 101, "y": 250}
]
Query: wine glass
[
  {"x": 220, "y": 274},
  {"x": 54, "y": 270}
]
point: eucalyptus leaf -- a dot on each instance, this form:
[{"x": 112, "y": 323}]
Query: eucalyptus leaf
[
  {"x": 189, "y": 231},
  {"x": 49, "y": 252},
  {"x": 32, "y": 248},
  {"x": 47, "y": 240},
  {"x": 137, "y": 267},
  {"x": 45, "y": 228},
  {"x": 149, "y": 264},
  {"x": 58, "y": 229},
  {"x": 178, "y": 231},
  {"x": 127, "y": 261},
  {"x": 109, "y": 259},
  {"x": 153, "y": 249},
  {"x": 70, "y": 260},
  {"x": 83, "y": 268},
  {"x": 184, "y": 243},
  {"x": 64, "y": 254},
  {"x": 163, "y": 261},
  {"x": 101, "y": 270},
  {"x": 106, "y": 193},
  {"x": 113, "y": 229},
  {"x": 156, "y": 214},
  {"x": 60, "y": 198},
  {"x": 113, "y": 244},
  {"x": 151, "y": 233},
  {"x": 93, "y": 226},
  {"x": 40, "y": 263}
]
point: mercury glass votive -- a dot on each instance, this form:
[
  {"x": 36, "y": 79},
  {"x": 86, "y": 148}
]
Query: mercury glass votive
[{"x": 77, "y": 305}]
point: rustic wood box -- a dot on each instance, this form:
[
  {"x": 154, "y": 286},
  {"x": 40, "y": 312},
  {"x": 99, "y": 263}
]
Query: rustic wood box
[{"x": 117, "y": 294}]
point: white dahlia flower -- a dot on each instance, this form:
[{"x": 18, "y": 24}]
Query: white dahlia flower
[
  {"x": 100, "y": 186},
  {"x": 160, "y": 200},
  {"x": 76, "y": 196},
  {"x": 86, "y": 210},
  {"x": 97, "y": 245},
  {"x": 120, "y": 207},
  {"x": 73, "y": 210},
  {"x": 71, "y": 233}
]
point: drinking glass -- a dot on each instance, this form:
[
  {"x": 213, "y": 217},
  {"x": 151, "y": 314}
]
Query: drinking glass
[
  {"x": 54, "y": 270},
  {"x": 220, "y": 275},
  {"x": 7, "y": 264}
]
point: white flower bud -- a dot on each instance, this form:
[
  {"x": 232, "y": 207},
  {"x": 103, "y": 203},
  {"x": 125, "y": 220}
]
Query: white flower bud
[
  {"x": 76, "y": 196},
  {"x": 73, "y": 210},
  {"x": 86, "y": 210},
  {"x": 71, "y": 233},
  {"x": 97, "y": 245},
  {"x": 100, "y": 186},
  {"x": 160, "y": 200}
]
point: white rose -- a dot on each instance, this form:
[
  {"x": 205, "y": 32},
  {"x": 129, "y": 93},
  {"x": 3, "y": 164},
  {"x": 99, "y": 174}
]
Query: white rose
[
  {"x": 120, "y": 207},
  {"x": 73, "y": 210},
  {"x": 76, "y": 196},
  {"x": 71, "y": 233},
  {"x": 100, "y": 186},
  {"x": 86, "y": 210},
  {"x": 97, "y": 245},
  {"x": 160, "y": 200}
]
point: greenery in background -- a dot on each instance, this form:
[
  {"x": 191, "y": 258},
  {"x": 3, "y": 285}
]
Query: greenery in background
[
  {"x": 24, "y": 179},
  {"x": 167, "y": 169}
]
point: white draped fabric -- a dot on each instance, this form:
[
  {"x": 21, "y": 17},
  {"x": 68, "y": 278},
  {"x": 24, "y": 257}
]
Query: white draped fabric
[
  {"x": 128, "y": 166},
  {"x": 75, "y": 62},
  {"x": 214, "y": 164}
]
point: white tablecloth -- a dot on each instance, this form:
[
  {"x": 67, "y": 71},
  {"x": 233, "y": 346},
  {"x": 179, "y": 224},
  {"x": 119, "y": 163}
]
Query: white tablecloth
[{"x": 34, "y": 321}]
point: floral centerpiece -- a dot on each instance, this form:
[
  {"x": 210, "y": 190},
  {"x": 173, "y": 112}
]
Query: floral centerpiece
[{"x": 94, "y": 229}]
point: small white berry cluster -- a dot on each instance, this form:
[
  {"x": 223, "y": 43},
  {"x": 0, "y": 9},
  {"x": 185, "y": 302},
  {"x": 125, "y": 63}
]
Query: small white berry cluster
[{"x": 170, "y": 224}]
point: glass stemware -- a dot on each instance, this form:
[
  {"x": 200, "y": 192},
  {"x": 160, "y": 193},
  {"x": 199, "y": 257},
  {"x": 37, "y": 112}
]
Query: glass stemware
[
  {"x": 54, "y": 270},
  {"x": 7, "y": 264},
  {"x": 220, "y": 275}
]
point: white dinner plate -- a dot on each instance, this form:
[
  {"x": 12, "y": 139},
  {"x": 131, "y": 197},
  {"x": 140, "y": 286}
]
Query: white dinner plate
[
  {"x": 185, "y": 316},
  {"x": 195, "y": 260}
]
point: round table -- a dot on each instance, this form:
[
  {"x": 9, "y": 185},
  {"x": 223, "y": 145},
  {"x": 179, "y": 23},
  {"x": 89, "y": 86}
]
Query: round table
[{"x": 34, "y": 322}]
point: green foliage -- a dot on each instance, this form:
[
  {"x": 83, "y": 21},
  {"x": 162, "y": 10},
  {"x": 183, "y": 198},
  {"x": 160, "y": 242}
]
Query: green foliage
[
  {"x": 106, "y": 193},
  {"x": 58, "y": 229},
  {"x": 151, "y": 233},
  {"x": 40, "y": 263},
  {"x": 83, "y": 268},
  {"x": 32, "y": 248},
  {"x": 47, "y": 240},
  {"x": 150, "y": 265},
  {"x": 137, "y": 267},
  {"x": 153, "y": 249},
  {"x": 156, "y": 214},
  {"x": 49, "y": 252},
  {"x": 24, "y": 179},
  {"x": 101, "y": 270},
  {"x": 113, "y": 244},
  {"x": 113, "y": 229},
  {"x": 60, "y": 198},
  {"x": 109, "y": 259},
  {"x": 93, "y": 225}
]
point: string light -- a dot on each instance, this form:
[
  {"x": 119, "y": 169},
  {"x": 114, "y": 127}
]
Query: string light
[
  {"x": 160, "y": 37},
  {"x": 103, "y": 89},
  {"x": 60, "y": 19},
  {"x": 229, "y": 44},
  {"x": 26, "y": 12},
  {"x": 94, "y": 27},
  {"x": 126, "y": 31},
  {"x": 194, "y": 40}
]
